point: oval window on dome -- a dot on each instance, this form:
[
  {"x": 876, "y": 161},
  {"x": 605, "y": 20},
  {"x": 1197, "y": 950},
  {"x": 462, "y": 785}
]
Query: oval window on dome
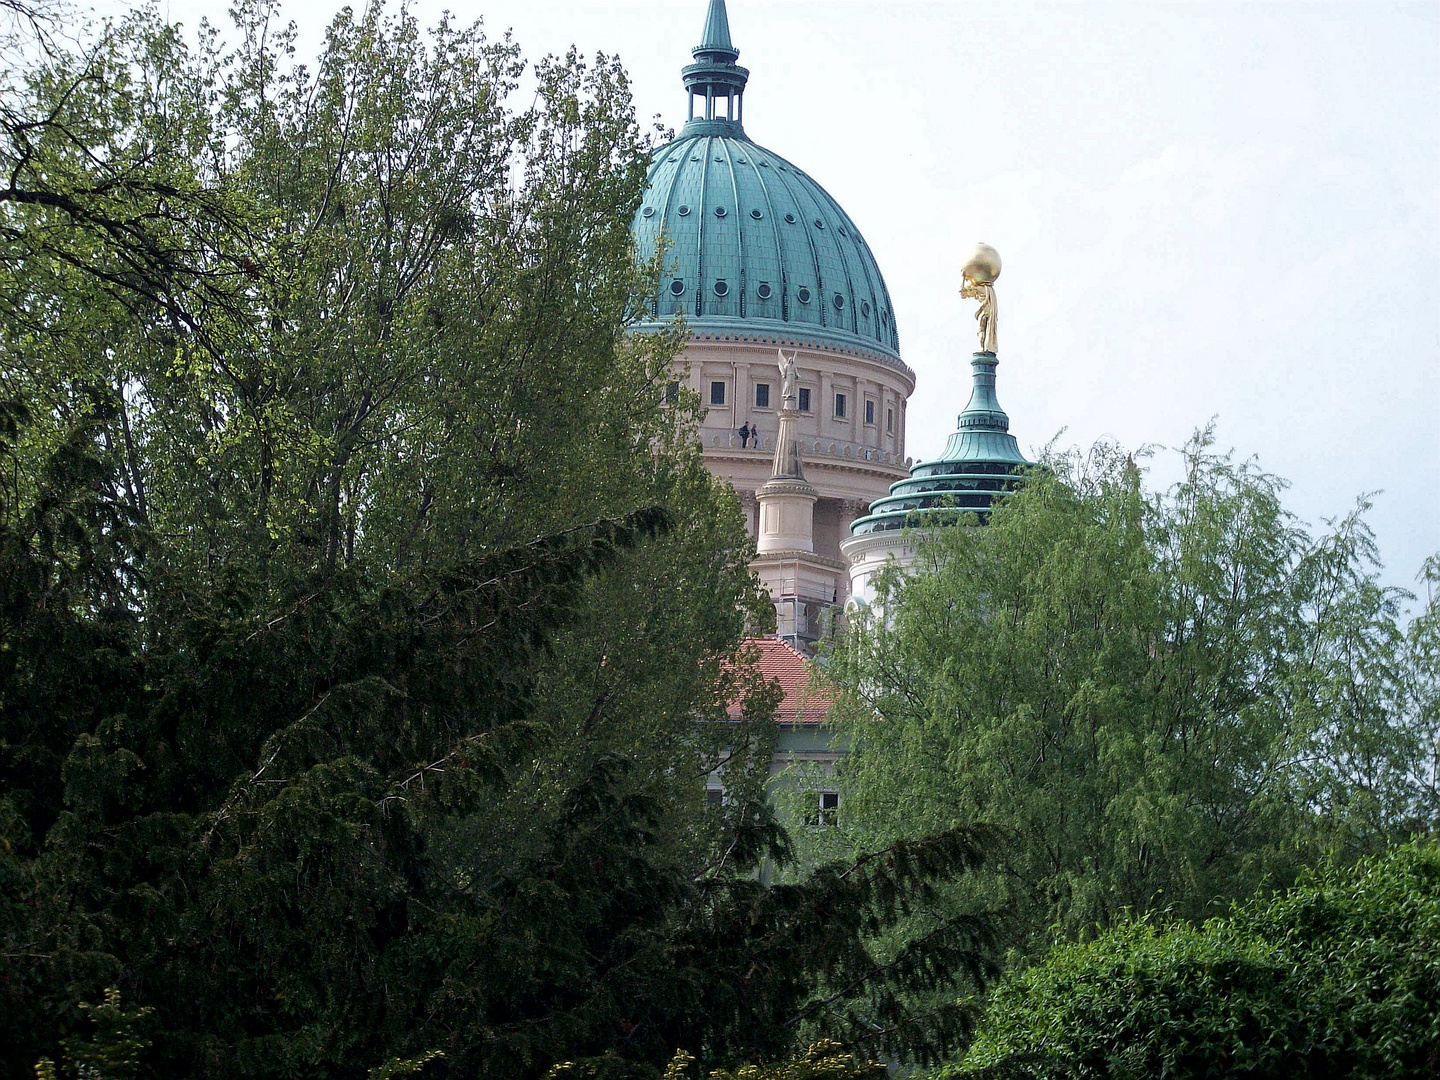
[
  {"x": 677, "y": 287},
  {"x": 839, "y": 302},
  {"x": 684, "y": 211},
  {"x": 843, "y": 234},
  {"x": 721, "y": 289},
  {"x": 803, "y": 295},
  {"x": 790, "y": 218},
  {"x": 865, "y": 308},
  {"x": 763, "y": 291},
  {"x": 756, "y": 214},
  {"x": 764, "y": 164},
  {"x": 649, "y": 211},
  {"x": 694, "y": 157},
  {"x": 720, "y": 159},
  {"x": 819, "y": 224},
  {"x": 719, "y": 211}
]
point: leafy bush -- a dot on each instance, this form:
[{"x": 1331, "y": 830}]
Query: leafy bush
[{"x": 1339, "y": 976}]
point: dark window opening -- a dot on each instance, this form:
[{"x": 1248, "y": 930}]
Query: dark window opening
[
  {"x": 804, "y": 399},
  {"x": 869, "y": 412},
  {"x": 840, "y": 406},
  {"x": 717, "y": 393},
  {"x": 672, "y": 393},
  {"x": 762, "y": 395},
  {"x": 714, "y": 798},
  {"x": 827, "y": 809},
  {"x": 890, "y": 421}
]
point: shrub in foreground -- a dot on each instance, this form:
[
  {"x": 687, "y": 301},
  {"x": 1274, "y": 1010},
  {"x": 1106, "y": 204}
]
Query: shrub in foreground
[{"x": 1338, "y": 977}]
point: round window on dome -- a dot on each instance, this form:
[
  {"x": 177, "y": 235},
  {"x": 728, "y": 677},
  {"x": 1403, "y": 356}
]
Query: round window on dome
[
  {"x": 677, "y": 287},
  {"x": 720, "y": 159},
  {"x": 649, "y": 211},
  {"x": 756, "y": 214},
  {"x": 684, "y": 211},
  {"x": 819, "y": 224},
  {"x": 844, "y": 235},
  {"x": 719, "y": 211},
  {"x": 763, "y": 291},
  {"x": 865, "y": 308},
  {"x": 803, "y": 295},
  {"x": 790, "y": 218},
  {"x": 839, "y": 302},
  {"x": 721, "y": 289}
]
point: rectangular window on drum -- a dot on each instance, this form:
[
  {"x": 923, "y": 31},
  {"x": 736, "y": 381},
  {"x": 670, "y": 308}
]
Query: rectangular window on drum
[
  {"x": 889, "y": 421},
  {"x": 762, "y": 395},
  {"x": 672, "y": 393},
  {"x": 839, "y": 406},
  {"x": 869, "y": 412},
  {"x": 804, "y": 399},
  {"x": 717, "y": 393}
]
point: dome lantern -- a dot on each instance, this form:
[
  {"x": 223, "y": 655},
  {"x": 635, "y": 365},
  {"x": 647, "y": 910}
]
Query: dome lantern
[{"x": 714, "y": 76}]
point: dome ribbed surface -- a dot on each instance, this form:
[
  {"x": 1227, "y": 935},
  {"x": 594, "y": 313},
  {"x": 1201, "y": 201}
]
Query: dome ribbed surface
[{"x": 754, "y": 246}]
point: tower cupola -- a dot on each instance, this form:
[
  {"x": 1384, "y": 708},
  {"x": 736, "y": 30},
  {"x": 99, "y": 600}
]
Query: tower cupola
[{"x": 714, "y": 78}]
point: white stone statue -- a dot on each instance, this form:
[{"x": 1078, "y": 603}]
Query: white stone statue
[
  {"x": 980, "y": 274},
  {"x": 789, "y": 381}
]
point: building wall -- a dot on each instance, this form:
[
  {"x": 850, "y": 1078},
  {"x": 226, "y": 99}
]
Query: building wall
[{"x": 849, "y": 461}]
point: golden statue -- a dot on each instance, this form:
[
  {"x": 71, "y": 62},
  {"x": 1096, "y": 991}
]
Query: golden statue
[{"x": 980, "y": 274}]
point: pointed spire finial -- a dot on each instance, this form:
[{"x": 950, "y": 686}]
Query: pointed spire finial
[{"x": 716, "y": 36}]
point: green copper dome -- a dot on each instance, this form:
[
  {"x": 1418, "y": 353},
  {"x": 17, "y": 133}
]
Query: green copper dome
[
  {"x": 981, "y": 462},
  {"x": 755, "y": 248}
]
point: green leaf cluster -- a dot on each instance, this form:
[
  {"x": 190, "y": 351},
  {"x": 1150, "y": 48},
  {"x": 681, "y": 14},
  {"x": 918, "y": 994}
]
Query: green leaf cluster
[{"x": 1338, "y": 977}]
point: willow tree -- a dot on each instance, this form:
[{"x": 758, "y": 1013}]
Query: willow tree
[{"x": 1165, "y": 700}]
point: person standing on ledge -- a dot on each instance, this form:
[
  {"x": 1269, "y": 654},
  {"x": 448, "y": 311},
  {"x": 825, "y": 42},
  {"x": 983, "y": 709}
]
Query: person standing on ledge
[{"x": 745, "y": 434}]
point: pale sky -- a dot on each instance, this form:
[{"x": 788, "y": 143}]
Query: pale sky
[{"x": 1204, "y": 209}]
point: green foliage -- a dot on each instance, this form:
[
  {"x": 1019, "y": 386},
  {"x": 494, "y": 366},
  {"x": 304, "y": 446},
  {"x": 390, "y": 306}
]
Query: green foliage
[
  {"x": 824, "y": 1060},
  {"x": 1164, "y": 701},
  {"x": 1338, "y": 977},
  {"x": 112, "y": 1052},
  {"x": 367, "y": 619}
]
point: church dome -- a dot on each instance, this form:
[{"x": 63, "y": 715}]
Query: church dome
[{"x": 754, "y": 246}]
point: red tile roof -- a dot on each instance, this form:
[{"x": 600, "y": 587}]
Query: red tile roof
[{"x": 804, "y": 702}]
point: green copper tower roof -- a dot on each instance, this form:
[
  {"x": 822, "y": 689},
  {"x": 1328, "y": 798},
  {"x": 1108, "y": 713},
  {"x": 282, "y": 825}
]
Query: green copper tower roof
[
  {"x": 981, "y": 462},
  {"x": 755, "y": 248}
]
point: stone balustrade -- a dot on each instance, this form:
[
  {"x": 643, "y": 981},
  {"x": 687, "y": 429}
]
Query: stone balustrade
[{"x": 764, "y": 444}]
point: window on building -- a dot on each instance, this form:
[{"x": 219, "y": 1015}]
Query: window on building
[
  {"x": 889, "y": 421},
  {"x": 672, "y": 393},
  {"x": 804, "y": 399},
  {"x": 869, "y": 412},
  {"x": 839, "y": 406},
  {"x": 762, "y": 395},
  {"x": 714, "y": 798},
  {"x": 825, "y": 810},
  {"x": 717, "y": 393}
]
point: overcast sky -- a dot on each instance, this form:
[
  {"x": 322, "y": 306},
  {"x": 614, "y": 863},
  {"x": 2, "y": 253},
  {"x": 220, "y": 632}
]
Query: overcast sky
[{"x": 1204, "y": 209}]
